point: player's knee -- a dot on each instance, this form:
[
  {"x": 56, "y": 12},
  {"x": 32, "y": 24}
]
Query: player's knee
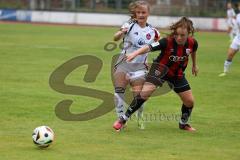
[
  {"x": 189, "y": 101},
  {"x": 119, "y": 93},
  {"x": 144, "y": 95}
]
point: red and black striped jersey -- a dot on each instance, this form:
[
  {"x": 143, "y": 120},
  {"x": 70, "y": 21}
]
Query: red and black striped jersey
[{"x": 174, "y": 56}]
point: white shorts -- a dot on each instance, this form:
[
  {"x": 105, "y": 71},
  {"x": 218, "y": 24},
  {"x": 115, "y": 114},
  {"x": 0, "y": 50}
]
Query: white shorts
[
  {"x": 236, "y": 43},
  {"x": 132, "y": 72},
  {"x": 137, "y": 75}
]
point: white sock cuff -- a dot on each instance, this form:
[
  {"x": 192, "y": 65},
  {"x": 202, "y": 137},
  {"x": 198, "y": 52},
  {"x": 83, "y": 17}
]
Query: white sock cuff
[
  {"x": 227, "y": 62},
  {"x": 125, "y": 117}
]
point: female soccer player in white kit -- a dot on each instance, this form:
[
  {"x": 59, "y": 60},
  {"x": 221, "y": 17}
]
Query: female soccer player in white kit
[
  {"x": 234, "y": 48},
  {"x": 231, "y": 21},
  {"x": 135, "y": 33}
]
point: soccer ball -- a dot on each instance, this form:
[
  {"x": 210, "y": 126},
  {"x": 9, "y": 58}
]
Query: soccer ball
[{"x": 43, "y": 136}]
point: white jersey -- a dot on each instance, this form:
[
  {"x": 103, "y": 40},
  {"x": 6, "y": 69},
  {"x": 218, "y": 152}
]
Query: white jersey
[
  {"x": 236, "y": 41},
  {"x": 236, "y": 25},
  {"x": 135, "y": 38},
  {"x": 230, "y": 17}
]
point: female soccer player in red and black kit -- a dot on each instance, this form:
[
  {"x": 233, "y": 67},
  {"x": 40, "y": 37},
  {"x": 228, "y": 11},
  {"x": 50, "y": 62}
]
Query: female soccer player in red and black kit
[{"x": 169, "y": 66}]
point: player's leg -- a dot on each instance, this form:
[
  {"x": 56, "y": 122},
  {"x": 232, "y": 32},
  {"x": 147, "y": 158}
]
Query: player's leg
[
  {"x": 152, "y": 81},
  {"x": 182, "y": 88},
  {"x": 120, "y": 83},
  {"x": 187, "y": 107},
  {"x": 137, "y": 86},
  {"x": 230, "y": 54},
  {"x": 147, "y": 90}
]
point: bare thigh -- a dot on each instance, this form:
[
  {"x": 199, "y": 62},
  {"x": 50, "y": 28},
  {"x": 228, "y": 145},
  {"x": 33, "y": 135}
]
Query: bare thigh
[
  {"x": 147, "y": 90},
  {"x": 120, "y": 79},
  {"x": 137, "y": 86}
]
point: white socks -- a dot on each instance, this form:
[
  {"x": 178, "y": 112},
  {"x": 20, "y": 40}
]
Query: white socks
[
  {"x": 119, "y": 104},
  {"x": 227, "y": 65}
]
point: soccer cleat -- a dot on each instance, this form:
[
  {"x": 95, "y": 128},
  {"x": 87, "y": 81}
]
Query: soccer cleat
[
  {"x": 119, "y": 124},
  {"x": 222, "y": 74},
  {"x": 141, "y": 124},
  {"x": 140, "y": 121},
  {"x": 186, "y": 127}
]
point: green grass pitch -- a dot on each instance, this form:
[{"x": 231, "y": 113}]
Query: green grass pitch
[{"x": 30, "y": 53}]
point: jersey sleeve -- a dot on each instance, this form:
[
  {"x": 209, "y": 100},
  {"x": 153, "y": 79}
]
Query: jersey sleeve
[
  {"x": 195, "y": 45},
  {"x": 129, "y": 25},
  {"x": 157, "y": 35},
  {"x": 125, "y": 25},
  {"x": 161, "y": 44}
]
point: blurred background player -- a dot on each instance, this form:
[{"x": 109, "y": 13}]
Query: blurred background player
[
  {"x": 231, "y": 21},
  {"x": 168, "y": 66},
  {"x": 135, "y": 34},
  {"x": 233, "y": 49}
]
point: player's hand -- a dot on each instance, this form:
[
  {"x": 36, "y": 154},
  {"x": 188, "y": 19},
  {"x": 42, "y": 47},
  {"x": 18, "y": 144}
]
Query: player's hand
[
  {"x": 195, "y": 70},
  {"x": 130, "y": 57},
  {"x": 124, "y": 30}
]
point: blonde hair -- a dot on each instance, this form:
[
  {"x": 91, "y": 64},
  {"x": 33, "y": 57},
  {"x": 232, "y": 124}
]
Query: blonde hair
[
  {"x": 133, "y": 5},
  {"x": 184, "y": 22}
]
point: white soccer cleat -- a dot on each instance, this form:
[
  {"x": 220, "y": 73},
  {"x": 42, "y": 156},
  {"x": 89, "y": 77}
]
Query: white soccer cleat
[
  {"x": 141, "y": 124},
  {"x": 222, "y": 74},
  {"x": 140, "y": 121}
]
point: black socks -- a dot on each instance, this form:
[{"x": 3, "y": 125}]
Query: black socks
[
  {"x": 186, "y": 112},
  {"x": 135, "y": 105}
]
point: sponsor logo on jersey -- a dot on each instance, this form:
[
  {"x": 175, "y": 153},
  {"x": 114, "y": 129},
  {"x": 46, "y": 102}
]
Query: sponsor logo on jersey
[
  {"x": 177, "y": 58},
  {"x": 148, "y": 36},
  {"x": 136, "y": 33},
  {"x": 188, "y": 51},
  {"x": 141, "y": 41},
  {"x": 157, "y": 73}
]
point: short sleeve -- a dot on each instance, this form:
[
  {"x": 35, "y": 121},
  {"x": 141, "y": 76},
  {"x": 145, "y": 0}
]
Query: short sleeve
[
  {"x": 125, "y": 25},
  {"x": 129, "y": 25},
  {"x": 157, "y": 35},
  {"x": 195, "y": 45}
]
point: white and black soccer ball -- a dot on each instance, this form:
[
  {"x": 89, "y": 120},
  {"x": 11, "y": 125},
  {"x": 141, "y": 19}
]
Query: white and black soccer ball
[{"x": 43, "y": 136}]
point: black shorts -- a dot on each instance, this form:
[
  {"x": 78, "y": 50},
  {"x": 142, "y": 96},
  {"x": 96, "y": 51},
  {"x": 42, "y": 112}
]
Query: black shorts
[{"x": 157, "y": 76}]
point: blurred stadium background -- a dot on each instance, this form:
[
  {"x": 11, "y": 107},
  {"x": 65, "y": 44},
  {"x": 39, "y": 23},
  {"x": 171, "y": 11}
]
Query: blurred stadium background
[
  {"x": 206, "y": 14},
  {"x": 203, "y": 8}
]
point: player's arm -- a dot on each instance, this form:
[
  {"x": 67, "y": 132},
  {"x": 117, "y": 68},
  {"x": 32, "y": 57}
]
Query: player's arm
[
  {"x": 194, "y": 64},
  {"x": 161, "y": 44},
  {"x": 119, "y": 34},
  {"x": 140, "y": 51},
  {"x": 194, "y": 59},
  {"x": 123, "y": 30}
]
